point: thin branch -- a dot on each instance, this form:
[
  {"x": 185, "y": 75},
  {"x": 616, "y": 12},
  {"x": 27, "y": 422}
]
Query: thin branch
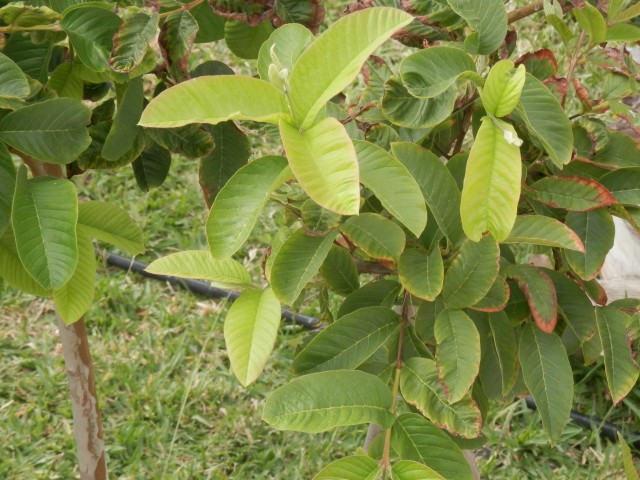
[
  {"x": 183, "y": 8},
  {"x": 520, "y": 13},
  {"x": 355, "y": 115},
  {"x": 572, "y": 65}
]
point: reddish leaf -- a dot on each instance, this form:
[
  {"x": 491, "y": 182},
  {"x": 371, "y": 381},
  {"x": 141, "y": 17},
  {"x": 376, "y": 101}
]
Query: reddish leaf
[
  {"x": 573, "y": 193},
  {"x": 540, "y": 293},
  {"x": 542, "y": 64}
]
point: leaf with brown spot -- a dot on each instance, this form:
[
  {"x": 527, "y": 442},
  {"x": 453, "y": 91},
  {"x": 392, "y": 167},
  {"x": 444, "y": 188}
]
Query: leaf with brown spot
[
  {"x": 571, "y": 193},
  {"x": 540, "y": 293}
]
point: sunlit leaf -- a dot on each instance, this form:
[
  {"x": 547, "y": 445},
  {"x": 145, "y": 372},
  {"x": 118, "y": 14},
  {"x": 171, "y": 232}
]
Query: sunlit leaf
[
  {"x": 111, "y": 224},
  {"x": 377, "y": 236},
  {"x": 541, "y": 230},
  {"x": 488, "y": 19},
  {"x": 350, "y": 468}
]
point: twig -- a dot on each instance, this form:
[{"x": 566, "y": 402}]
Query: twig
[
  {"x": 520, "y": 13},
  {"x": 572, "y": 65},
  {"x": 355, "y": 115},
  {"x": 183, "y": 8}
]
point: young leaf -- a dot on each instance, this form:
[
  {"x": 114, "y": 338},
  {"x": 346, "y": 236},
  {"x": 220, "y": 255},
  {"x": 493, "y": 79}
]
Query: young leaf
[
  {"x": 592, "y": 22},
  {"x": 596, "y": 230},
  {"x": 413, "y": 437},
  {"x": 238, "y": 205},
  {"x": 298, "y": 260},
  {"x": 409, "y": 470},
  {"x": 502, "y": 88},
  {"x": 624, "y": 184},
  {"x": 491, "y": 188},
  {"x": 288, "y": 42},
  {"x": 541, "y": 230},
  {"x": 547, "y": 374},
  {"x": 457, "y": 354},
  {"x": 620, "y": 369},
  {"x": 131, "y": 42},
  {"x": 340, "y": 272},
  {"x": 350, "y": 468},
  {"x": 472, "y": 273},
  {"x": 228, "y": 97},
  {"x": 324, "y": 161},
  {"x": 402, "y": 196},
  {"x": 109, "y": 223},
  {"x": 44, "y": 217},
  {"x": 304, "y": 406},
  {"x": 250, "y": 332},
  {"x": 540, "y": 293},
  {"x": 438, "y": 186},
  {"x": 572, "y": 193},
  {"x": 380, "y": 292},
  {"x": 200, "y": 264},
  {"x": 53, "y": 131},
  {"x": 349, "y": 341},
  {"x": 420, "y": 387},
  {"x": 75, "y": 297},
  {"x": 334, "y": 59},
  {"x": 488, "y": 19},
  {"x": 13, "y": 81},
  {"x": 124, "y": 128},
  {"x": 375, "y": 235},
  {"x": 12, "y": 270},
  {"x": 421, "y": 274}
]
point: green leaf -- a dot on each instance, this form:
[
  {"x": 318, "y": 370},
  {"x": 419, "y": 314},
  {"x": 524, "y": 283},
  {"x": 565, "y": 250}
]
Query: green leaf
[
  {"x": 324, "y": 161},
  {"x": 421, "y": 274},
  {"x": 52, "y": 131},
  {"x": 245, "y": 40},
  {"x": 413, "y": 437},
  {"x": 151, "y": 167},
  {"x": 502, "y": 89},
  {"x": 571, "y": 193},
  {"x": 177, "y": 36},
  {"x": 286, "y": 44},
  {"x": 620, "y": 150},
  {"x": 44, "y": 217},
  {"x": 200, "y": 264},
  {"x": 547, "y": 374},
  {"x": 229, "y": 97},
  {"x": 250, "y": 332},
  {"x": 438, "y": 186},
  {"x": 12, "y": 270},
  {"x": 20, "y": 15},
  {"x": 131, "y": 42},
  {"x": 124, "y": 129},
  {"x": 491, "y": 188},
  {"x": 409, "y": 470},
  {"x": 279, "y": 238},
  {"x": 76, "y": 296},
  {"x": 457, "y": 354},
  {"x": 620, "y": 369},
  {"x": 237, "y": 207},
  {"x": 627, "y": 460},
  {"x": 91, "y": 30},
  {"x": 340, "y": 272},
  {"x": 13, "y": 82},
  {"x": 631, "y": 12},
  {"x": 191, "y": 141},
  {"x": 210, "y": 25},
  {"x": 318, "y": 219},
  {"x": 33, "y": 59},
  {"x": 393, "y": 185},
  {"x": 540, "y": 293},
  {"x": 66, "y": 82},
  {"x": 546, "y": 120},
  {"x": 472, "y": 273},
  {"x": 304, "y": 406},
  {"x": 488, "y": 19},
  {"x": 7, "y": 187},
  {"x": 623, "y": 32},
  {"x": 624, "y": 184},
  {"x": 349, "y": 341},
  {"x": 298, "y": 260},
  {"x": 596, "y": 230},
  {"x": 350, "y": 468},
  {"x": 334, "y": 59},
  {"x": 432, "y": 71},
  {"x": 380, "y": 292},
  {"x": 496, "y": 298},
  {"x": 110, "y": 223},
  {"x": 592, "y": 22},
  {"x": 540, "y": 230},
  {"x": 375, "y": 235}
]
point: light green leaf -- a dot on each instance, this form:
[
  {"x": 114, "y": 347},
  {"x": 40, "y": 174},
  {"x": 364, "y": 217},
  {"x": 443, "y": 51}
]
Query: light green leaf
[
  {"x": 349, "y": 341},
  {"x": 19, "y": 14},
  {"x": 53, "y": 131},
  {"x": 380, "y": 292},
  {"x": 421, "y": 274},
  {"x": 409, "y": 470},
  {"x": 13, "y": 82},
  {"x": 393, "y": 185},
  {"x": 75, "y": 297},
  {"x": 340, "y": 272},
  {"x": 124, "y": 128},
  {"x": 131, "y": 42},
  {"x": 288, "y": 42},
  {"x": 620, "y": 369},
  {"x": 623, "y": 32},
  {"x": 488, "y": 19},
  {"x": 298, "y": 260},
  {"x": 596, "y": 230},
  {"x": 413, "y": 437},
  {"x": 279, "y": 238},
  {"x": 472, "y": 273},
  {"x": 547, "y": 374},
  {"x": 546, "y": 120},
  {"x": 7, "y": 186},
  {"x": 571, "y": 193},
  {"x": 334, "y": 59},
  {"x": 245, "y": 40},
  {"x": 457, "y": 354},
  {"x": 377, "y": 236},
  {"x": 238, "y": 205},
  {"x": 541, "y": 230},
  {"x": 350, "y": 468},
  {"x": 304, "y": 406},
  {"x": 592, "y": 22},
  {"x": 44, "y": 217},
  {"x": 250, "y": 332},
  {"x": 540, "y": 293},
  {"x": 200, "y": 264},
  {"x": 631, "y": 12},
  {"x": 430, "y": 72},
  {"x": 438, "y": 186},
  {"x": 502, "y": 89},
  {"x": 12, "y": 270},
  {"x": 627, "y": 458},
  {"x": 228, "y": 97},
  {"x": 110, "y": 223},
  {"x": 491, "y": 188},
  {"x": 324, "y": 161},
  {"x": 624, "y": 184}
]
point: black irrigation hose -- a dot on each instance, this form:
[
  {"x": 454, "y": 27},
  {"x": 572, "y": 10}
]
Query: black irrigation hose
[
  {"x": 200, "y": 288},
  {"x": 605, "y": 429}
]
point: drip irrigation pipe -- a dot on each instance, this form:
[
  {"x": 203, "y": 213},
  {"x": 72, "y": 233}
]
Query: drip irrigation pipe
[{"x": 605, "y": 429}]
